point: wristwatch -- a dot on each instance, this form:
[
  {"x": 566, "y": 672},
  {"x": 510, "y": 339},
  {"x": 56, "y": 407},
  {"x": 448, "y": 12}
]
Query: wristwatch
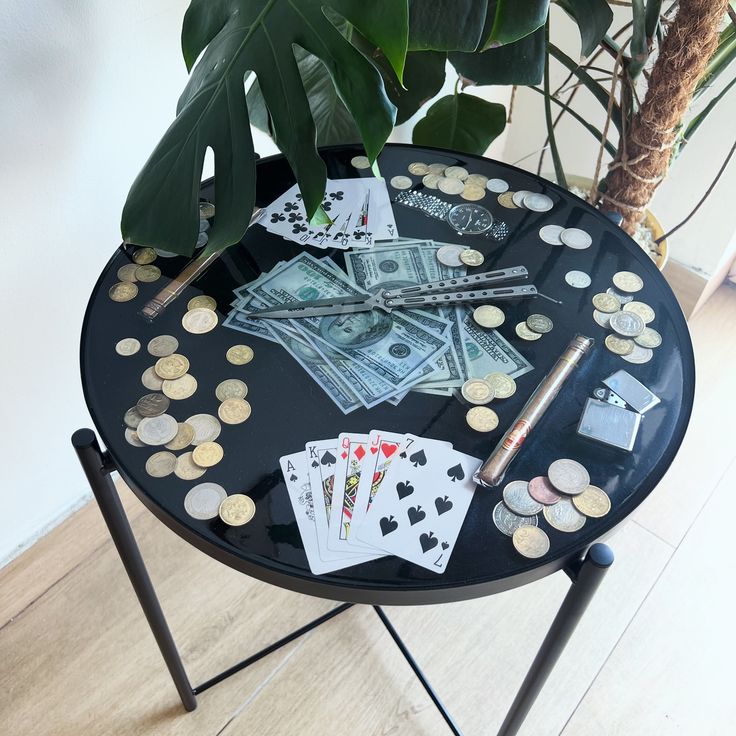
[{"x": 467, "y": 218}]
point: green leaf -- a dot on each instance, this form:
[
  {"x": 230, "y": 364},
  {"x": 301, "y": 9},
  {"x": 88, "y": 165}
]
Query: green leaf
[
  {"x": 461, "y": 123},
  {"x": 651, "y": 17},
  {"x": 424, "y": 75},
  {"x": 446, "y": 25},
  {"x": 231, "y": 38},
  {"x": 521, "y": 62},
  {"x": 593, "y": 18},
  {"x": 554, "y": 151},
  {"x": 514, "y": 20}
]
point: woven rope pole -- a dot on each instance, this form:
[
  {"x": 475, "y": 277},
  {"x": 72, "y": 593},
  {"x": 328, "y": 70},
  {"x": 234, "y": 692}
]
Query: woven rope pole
[{"x": 644, "y": 154}]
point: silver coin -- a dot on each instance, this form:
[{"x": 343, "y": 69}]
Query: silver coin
[
  {"x": 206, "y": 210},
  {"x": 575, "y": 238},
  {"x": 602, "y": 318},
  {"x": 151, "y": 380},
  {"x": 132, "y": 438},
  {"x": 477, "y": 391},
  {"x": 538, "y": 202},
  {"x": 450, "y": 185},
  {"x": 132, "y": 418},
  {"x": 437, "y": 169},
  {"x": 430, "y": 180},
  {"x": 127, "y": 346},
  {"x": 206, "y": 428},
  {"x": 151, "y": 405},
  {"x": 456, "y": 172},
  {"x": 627, "y": 324},
  {"x": 507, "y": 521},
  {"x": 157, "y": 430},
  {"x": 623, "y": 298},
  {"x": 577, "y": 279},
  {"x": 497, "y": 185},
  {"x": 550, "y": 234},
  {"x": 418, "y": 169},
  {"x": 203, "y": 501},
  {"x": 518, "y": 198},
  {"x": 449, "y": 255},
  {"x": 204, "y": 225},
  {"x": 401, "y": 182},
  {"x": 539, "y": 323},
  {"x": 563, "y": 516},
  {"x": 163, "y": 345},
  {"x": 568, "y": 476},
  {"x": 202, "y": 240},
  {"x": 360, "y": 162},
  {"x": 169, "y": 253},
  {"x": 516, "y": 497},
  {"x": 639, "y": 355},
  {"x": 161, "y": 464}
]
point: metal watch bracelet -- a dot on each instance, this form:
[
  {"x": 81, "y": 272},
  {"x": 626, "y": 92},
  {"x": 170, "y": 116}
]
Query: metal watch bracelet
[{"x": 426, "y": 203}]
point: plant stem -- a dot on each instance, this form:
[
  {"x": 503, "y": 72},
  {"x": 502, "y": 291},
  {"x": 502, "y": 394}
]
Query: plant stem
[{"x": 554, "y": 152}]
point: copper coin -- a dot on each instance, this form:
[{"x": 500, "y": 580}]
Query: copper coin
[{"x": 541, "y": 490}]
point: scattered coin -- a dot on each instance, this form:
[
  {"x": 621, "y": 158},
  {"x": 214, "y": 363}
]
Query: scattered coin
[
  {"x": 540, "y": 489},
  {"x": 161, "y": 464},
  {"x": 456, "y": 172},
  {"x": 239, "y": 354},
  {"x": 619, "y": 345},
  {"x": 201, "y": 240},
  {"x": 508, "y": 522},
  {"x": 525, "y": 333},
  {"x": 170, "y": 254},
  {"x": 564, "y": 517},
  {"x": 183, "y": 438},
  {"x": 506, "y": 199},
  {"x": 431, "y": 180},
  {"x": 477, "y": 180},
  {"x": 123, "y": 291},
  {"x": 488, "y": 316},
  {"x": 577, "y": 279},
  {"x": 538, "y": 202},
  {"x": 539, "y": 323},
  {"x": 576, "y": 238},
  {"x": 646, "y": 313},
  {"x": 132, "y": 418},
  {"x": 627, "y": 281},
  {"x": 162, "y": 346},
  {"x": 151, "y": 405},
  {"x": 127, "y": 272},
  {"x": 498, "y": 186},
  {"x": 437, "y": 169},
  {"x": 144, "y": 256},
  {"x": 449, "y": 255},
  {"x": 649, "y": 338},
  {"x": 568, "y": 476},
  {"x": 606, "y": 303},
  {"x": 206, "y": 210},
  {"x": 231, "y": 388},
  {"x": 550, "y": 234},
  {"x": 208, "y": 454},
  {"x": 237, "y": 509},
  {"x": 476, "y": 391},
  {"x": 157, "y": 430},
  {"x": 471, "y": 257},
  {"x": 593, "y": 502},
  {"x": 127, "y": 346},
  {"x": 234, "y": 411},
  {"x": 132, "y": 438},
  {"x": 503, "y": 386},
  {"x": 602, "y": 318},
  {"x": 206, "y": 428},
  {"x": 516, "y": 497},
  {"x": 623, "y": 298},
  {"x": 482, "y": 419},
  {"x": 202, "y": 301},
  {"x": 639, "y": 355},
  {"x": 203, "y": 501},
  {"x": 180, "y": 388},
  {"x": 199, "y": 320},
  {"x": 418, "y": 169},
  {"x": 628, "y": 324},
  {"x": 448, "y": 185},
  {"x": 148, "y": 273},
  {"x": 401, "y": 182},
  {"x": 172, "y": 366},
  {"x": 186, "y": 468},
  {"x": 360, "y": 162},
  {"x": 530, "y": 541},
  {"x": 518, "y": 197},
  {"x": 472, "y": 192}
]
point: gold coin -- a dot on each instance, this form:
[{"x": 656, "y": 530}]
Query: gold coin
[
  {"x": 477, "y": 179},
  {"x": 172, "y": 366},
  {"x": 525, "y": 333},
  {"x": 431, "y": 181},
  {"x": 456, "y": 172},
  {"x": 530, "y": 541},
  {"x": 437, "y": 169},
  {"x": 418, "y": 169},
  {"x": 239, "y": 354},
  {"x": 593, "y": 502},
  {"x": 200, "y": 302},
  {"x": 472, "y": 192},
  {"x": 127, "y": 346},
  {"x": 471, "y": 257},
  {"x": 127, "y": 272},
  {"x": 231, "y": 388},
  {"x": 199, "y": 320},
  {"x": 161, "y": 464},
  {"x": 151, "y": 380},
  {"x": 503, "y": 386},
  {"x": 649, "y": 338},
  {"x": 162, "y": 345},
  {"x": 606, "y": 303},
  {"x": 643, "y": 310},
  {"x": 207, "y": 454},
  {"x": 186, "y": 468},
  {"x": 184, "y": 437},
  {"x": 234, "y": 411},
  {"x": 148, "y": 273},
  {"x": 180, "y": 388},
  {"x": 144, "y": 256},
  {"x": 123, "y": 291},
  {"x": 476, "y": 391},
  {"x": 619, "y": 345},
  {"x": 488, "y": 316},
  {"x": 506, "y": 199},
  {"x": 482, "y": 419},
  {"x": 360, "y": 162},
  {"x": 627, "y": 281},
  {"x": 237, "y": 509}
]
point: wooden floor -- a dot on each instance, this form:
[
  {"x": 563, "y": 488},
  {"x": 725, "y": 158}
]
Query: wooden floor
[{"x": 653, "y": 655}]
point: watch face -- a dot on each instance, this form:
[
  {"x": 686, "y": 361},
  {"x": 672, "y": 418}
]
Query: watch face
[{"x": 470, "y": 218}]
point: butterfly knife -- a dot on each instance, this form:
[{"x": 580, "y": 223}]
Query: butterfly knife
[{"x": 473, "y": 288}]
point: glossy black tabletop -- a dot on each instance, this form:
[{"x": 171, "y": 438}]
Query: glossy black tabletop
[{"x": 289, "y": 409}]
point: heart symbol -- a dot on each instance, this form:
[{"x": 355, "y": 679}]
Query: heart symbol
[
  {"x": 428, "y": 541},
  {"x": 388, "y": 525},
  {"x": 292, "y": 477},
  {"x": 445, "y": 545},
  {"x": 404, "y": 489},
  {"x": 418, "y": 458},
  {"x": 389, "y": 449},
  {"x": 374, "y": 450},
  {"x": 360, "y": 452},
  {"x": 456, "y": 472},
  {"x": 328, "y": 458},
  {"x": 415, "y": 514},
  {"x": 443, "y": 505}
]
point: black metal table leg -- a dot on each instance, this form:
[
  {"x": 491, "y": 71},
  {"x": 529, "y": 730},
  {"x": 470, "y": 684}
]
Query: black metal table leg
[
  {"x": 586, "y": 577},
  {"x": 98, "y": 475}
]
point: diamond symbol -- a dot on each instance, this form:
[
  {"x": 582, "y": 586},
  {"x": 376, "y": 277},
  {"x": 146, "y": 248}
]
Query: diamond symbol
[{"x": 360, "y": 452}]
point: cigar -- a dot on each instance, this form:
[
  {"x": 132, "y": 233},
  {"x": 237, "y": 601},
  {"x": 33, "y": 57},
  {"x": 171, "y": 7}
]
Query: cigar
[{"x": 492, "y": 471}]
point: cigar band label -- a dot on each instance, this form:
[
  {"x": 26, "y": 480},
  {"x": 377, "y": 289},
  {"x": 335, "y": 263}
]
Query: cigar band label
[{"x": 517, "y": 435}]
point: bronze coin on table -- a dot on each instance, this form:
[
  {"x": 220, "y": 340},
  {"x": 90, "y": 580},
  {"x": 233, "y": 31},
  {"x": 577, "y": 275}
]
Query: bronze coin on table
[
  {"x": 151, "y": 405},
  {"x": 162, "y": 345},
  {"x": 231, "y": 388},
  {"x": 606, "y": 303},
  {"x": 530, "y": 541},
  {"x": 471, "y": 257},
  {"x": 437, "y": 169},
  {"x": 131, "y": 436},
  {"x": 161, "y": 464},
  {"x": 207, "y": 454},
  {"x": 123, "y": 291},
  {"x": 201, "y": 302},
  {"x": 503, "y": 386},
  {"x": 627, "y": 281},
  {"x": 539, "y": 323},
  {"x": 239, "y": 354},
  {"x": 199, "y": 320},
  {"x": 540, "y": 489},
  {"x": 186, "y": 468},
  {"x": 172, "y": 366},
  {"x": 646, "y": 313},
  {"x": 183, "y": 438},
  {"x": 144, "y": 256},
  {"x": 482, "y": 419},
  {"x": 473, "y": 193},
  {"x": 237, "y": 509},
  {"x": 525, "y": 333},
  {"x": 234, "y": 411},
  {"x": 151, "y": 380},
  {"x": 619, "y": 345},
  {"x": 476, "y": 179},
  {"x": 127, "y": 272},
  {"x": 477, "y": 391},
  {"x": 418, "y": 169},
  {"x": 148, "y": 273},
  {"x": 180, "y": 388},
  {"x": 132, "y": 418},
  {"x": 593, "y": 502},
  {"x": 127, "y": 346}
]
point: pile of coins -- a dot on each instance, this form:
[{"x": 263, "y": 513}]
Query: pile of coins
[
  {"x": 524, "y": 199},
  {"x": 452, "y": 180},
  {"x": 572, "y": 237},
  {"x": 458, "y": 255},
  {"x": 140, "y": 270},
  {"x": 200, "y": 316},
  {"x": 208, "y": 500},
  {"x": 565, "y": 497},
  {"x": 481, "y": 391},
  {"x": 533, "y": 327},
  {"x": 627, "y": 319}
]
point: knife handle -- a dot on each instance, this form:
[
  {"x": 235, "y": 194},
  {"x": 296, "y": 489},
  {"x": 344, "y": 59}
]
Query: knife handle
[{"x": 460, "y": 297}]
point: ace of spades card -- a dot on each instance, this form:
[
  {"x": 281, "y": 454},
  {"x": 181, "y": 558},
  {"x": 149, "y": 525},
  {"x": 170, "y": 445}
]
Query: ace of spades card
[{"x": 422, "y": 504}]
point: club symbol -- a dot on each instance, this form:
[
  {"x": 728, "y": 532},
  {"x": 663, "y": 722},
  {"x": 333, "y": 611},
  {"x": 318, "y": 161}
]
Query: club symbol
[
  {"x": 277, "y": 217},
  {"x": 388, "y": 525},
  {"x": 358, "y": 235},
  {"x": 291, "y": 207},
  {"x": 456, "y": 472},
  {"x": 299, "y": 196},
  {"x": 326, "y": 206},
  {"x": 404, "y": 489},
  {"x": 415, "y": 514},
  {"x": 297, "y": 228},
  {"x": 419, "y": 458},
  {"x": 336, "y": 196},
  {"x": 442, "y": 505},
  {"x": 428, "y": 541},
  {"x": 295, "y": 217},
  {"x": 328, "y": 458}
]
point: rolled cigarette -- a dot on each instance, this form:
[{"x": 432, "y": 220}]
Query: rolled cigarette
[{"x": 492, "y": 471}]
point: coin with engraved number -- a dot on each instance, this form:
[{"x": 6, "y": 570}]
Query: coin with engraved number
[
  {"x": 471, "y": 257},
  {"x": 473, "y": 192},
  {"x": 186, "y": 468},
  {"x": 234, "y": 411},
  {"x": 525, "y": 333},
  {"x": 132, "y": 438},
  {"x": 183, "y": 438},
  {"x": 649, "y": 338},
  {"x": 127, "y": 346},
  {"x": 360, "y": 162},
  {"x": 151, "y": 380},
  {"x": 577, "y": 279},
  {"x": 568, "y": 476},
  {"x": 161, "y": 464},
  {"x": 157, "y": 430},
  {"x": 401, "y": 182},
  {"x": 456, "y": 172},
  {"x": 497, "y": 186},
  {"x": 477, "y": 180},
  {"x": 623, "y": 298},
  {"x": 448, "y": 185},
  {"x": 593, "y": 502},
  {"x": 516, "y": 497},
  {"x": 564, "y": 517},
  {"x": 172, "y": 366},
  {"x": 208, "y": 454},
  {"x": 180, "y": 388},
  {"x": 606, "y": 303},
  {"x": 231, "y": 388},
  {"x": 506, "y": 199},
  {"x": 132, "y": 418},
  {"x": 206, "y": 428},
  {"x": 488, "y": 316},
  {"x": 539, "y": 323},
  {"x": 530, "y": 541},
  {"x": 162, "y": 346},
  {"x": 127, "y": 272},
  {"x": 123, "y": 291},
  {"x": 201, "y": 302},
  {"x": 239, "y": 354},
  {"x": 449, "y": 255},
  {"x": 602, "y": 318},
  {"x": 503, "y": 386},
  {"x": 199, "y": 320},
  {"x": 430, "y": 180},
  {"x": 550, "y": 234},
  {"x": 639, "y": 355},
  {"x": 206, "y": 210},
  {"x": 646, "y": 313},
  {"x": 518, "y": 197},
  {"x": 540, "y": 489},
  {"x": 148, "y": 273},
  {"x": 576, "y": 238},
  {"x": 619, "y": 345},
  {"x": 538, "y": 202},
  {"x": 627, "y": 324},
  {"x": 237, "y": 509},
  {"x": 418, "y": 169},
  {"x": 627, "y": 281},
  {"x": 476, "y": 391},
  {"x": 508, "y": 522},
  {"x": 144, "y": 256},
  {"x": 151, "y": 405},
  {"x": 203, "y": 501},
  {"x": 482, "y": 419},
  {"x": 437, "y": 169}
]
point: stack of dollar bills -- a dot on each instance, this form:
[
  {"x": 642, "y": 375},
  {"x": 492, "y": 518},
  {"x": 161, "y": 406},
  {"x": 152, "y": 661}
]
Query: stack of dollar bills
[{"x": 364, "y": 358}]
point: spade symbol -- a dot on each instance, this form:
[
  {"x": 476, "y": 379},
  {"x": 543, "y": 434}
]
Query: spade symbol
[
  {"x": 328, "y": 458},
  {"x": 315, "y": 464},
  {"x": 456, "y": 472},
  {"x": 388, "y": 525},
  {"x": 428, "y": 541},
  {"x": 402, "y": 455},
  {"x": 404, "y": 489},
  {"x": 419, "y": 458},
  {"x": 442, "y": 505},
  {"x": 415, "y": 514},
  {"x": 445, "y": 545},
  {"x": 292, "y": 477}
]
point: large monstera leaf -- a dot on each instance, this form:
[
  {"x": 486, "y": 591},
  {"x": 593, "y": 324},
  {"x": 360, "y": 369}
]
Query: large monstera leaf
[{"x": 232, "y": 38}]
